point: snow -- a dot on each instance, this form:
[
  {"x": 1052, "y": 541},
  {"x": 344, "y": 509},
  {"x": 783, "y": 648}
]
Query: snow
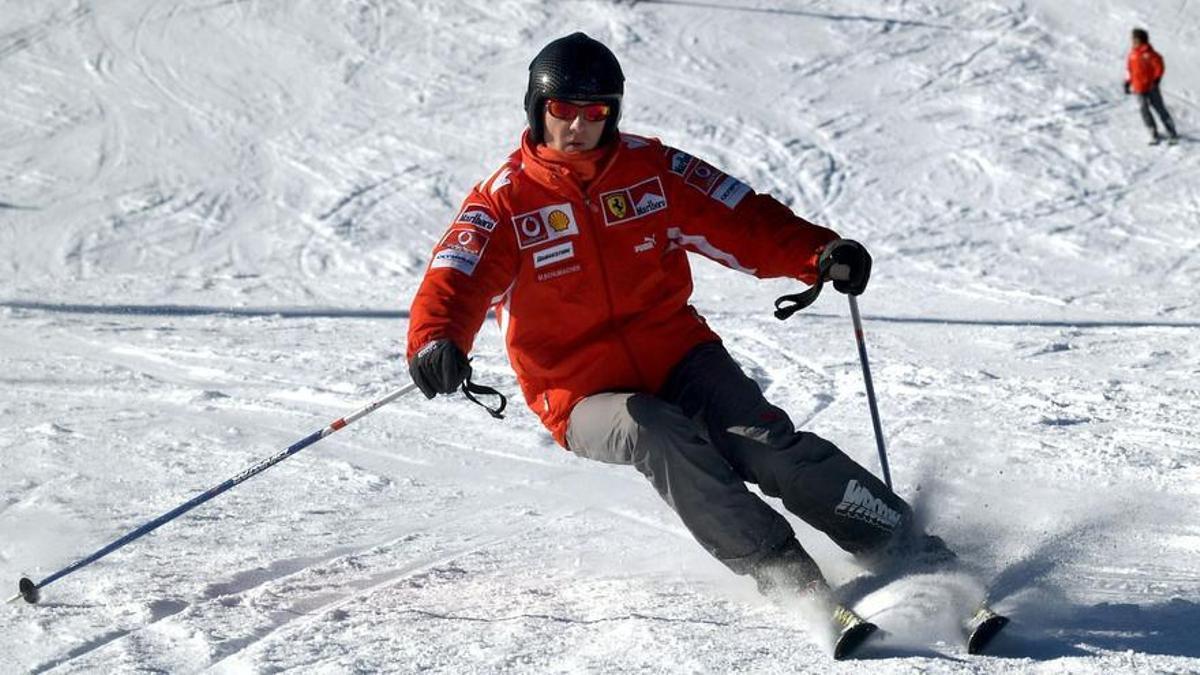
[{"x": 213, "y": 216}]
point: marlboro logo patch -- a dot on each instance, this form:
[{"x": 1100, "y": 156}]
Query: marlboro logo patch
[
  {"x": 635, "y": 201},
  {"x": 478, "y": 215}
]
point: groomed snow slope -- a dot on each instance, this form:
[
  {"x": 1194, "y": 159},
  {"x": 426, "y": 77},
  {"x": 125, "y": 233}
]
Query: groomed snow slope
[{"x": 213, "y": 216}]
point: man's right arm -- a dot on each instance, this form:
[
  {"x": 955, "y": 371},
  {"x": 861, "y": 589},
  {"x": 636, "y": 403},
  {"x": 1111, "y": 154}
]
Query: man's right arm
[{"x": 472, "y": 265}]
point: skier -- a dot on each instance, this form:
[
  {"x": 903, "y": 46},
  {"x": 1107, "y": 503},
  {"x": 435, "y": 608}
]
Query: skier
[
  {"x": 1145, "y": 67},
  {"x": 579, "y": 242}
]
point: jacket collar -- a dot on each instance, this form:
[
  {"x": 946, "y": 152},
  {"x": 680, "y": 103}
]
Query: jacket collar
[{"x": 556, "y": 176}]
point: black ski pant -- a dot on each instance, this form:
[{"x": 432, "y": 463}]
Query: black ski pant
[
  {"x": 1153, "y": 99},
  {"x": 707, "y": 434}
]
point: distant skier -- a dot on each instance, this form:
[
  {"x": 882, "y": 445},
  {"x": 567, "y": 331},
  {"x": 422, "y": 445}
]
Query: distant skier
[
  {"x": 579, "y": 242},
  {"x": 1146, "y": 68}
]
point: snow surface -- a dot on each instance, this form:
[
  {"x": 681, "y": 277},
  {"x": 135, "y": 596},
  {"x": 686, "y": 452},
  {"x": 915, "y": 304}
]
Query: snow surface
[{"x": 213, "y": 215}]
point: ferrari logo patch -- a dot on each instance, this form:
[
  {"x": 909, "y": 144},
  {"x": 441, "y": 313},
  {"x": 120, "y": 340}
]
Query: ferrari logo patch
[{"x": 617, "y": 208}]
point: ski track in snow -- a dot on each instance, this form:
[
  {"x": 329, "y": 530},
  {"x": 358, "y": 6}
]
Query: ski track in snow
[{"x": 1031, "y": 326}]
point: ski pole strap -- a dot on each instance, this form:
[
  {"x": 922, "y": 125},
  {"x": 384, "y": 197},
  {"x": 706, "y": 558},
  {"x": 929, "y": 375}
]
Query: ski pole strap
[
  {"x": 470, "y": 389},
  {"x": 787, "y": 305}
]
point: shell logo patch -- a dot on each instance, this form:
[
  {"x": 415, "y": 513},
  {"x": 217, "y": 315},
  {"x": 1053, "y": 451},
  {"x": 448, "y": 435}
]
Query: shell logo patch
[
  {"x": 635, "y": 201},
  {"x": 558, "y": 220}
]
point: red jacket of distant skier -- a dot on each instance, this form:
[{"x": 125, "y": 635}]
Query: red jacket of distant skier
[
  {"x": 1145, "y": 68},
  {"x": 591, "y": 286}
]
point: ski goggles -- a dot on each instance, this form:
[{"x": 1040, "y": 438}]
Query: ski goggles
[{"x": 565, "y": 110}]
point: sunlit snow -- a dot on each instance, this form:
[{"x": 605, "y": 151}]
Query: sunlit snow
[{"x": 214, "y": 214}]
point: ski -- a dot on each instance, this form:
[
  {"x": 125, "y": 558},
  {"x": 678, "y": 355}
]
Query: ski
[
  {"x": 983, "y": 625},
  {"x": 851, "y": 631}
]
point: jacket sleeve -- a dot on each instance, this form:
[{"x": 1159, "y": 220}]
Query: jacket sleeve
[
  {"x": 471, "y": 267},
  {"x": 723, "y": 219}
]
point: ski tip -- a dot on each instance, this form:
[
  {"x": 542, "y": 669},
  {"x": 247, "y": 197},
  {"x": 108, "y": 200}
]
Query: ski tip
[
  {"x": 29, "y": 591},
  {"x": 983, "y": 633},
  {"x": 852, "y": 638}
]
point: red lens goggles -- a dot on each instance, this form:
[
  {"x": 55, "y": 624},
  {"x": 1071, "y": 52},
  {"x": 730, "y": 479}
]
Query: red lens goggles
[{"x": 565, "y": 110}]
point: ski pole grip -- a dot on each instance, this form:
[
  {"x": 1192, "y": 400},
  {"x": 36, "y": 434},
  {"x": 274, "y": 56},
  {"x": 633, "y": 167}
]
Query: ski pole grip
[{"x": 839, "y": 272}]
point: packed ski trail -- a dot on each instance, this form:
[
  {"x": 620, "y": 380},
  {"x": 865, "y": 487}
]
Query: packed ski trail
[{"x": 1032, "y": 326}]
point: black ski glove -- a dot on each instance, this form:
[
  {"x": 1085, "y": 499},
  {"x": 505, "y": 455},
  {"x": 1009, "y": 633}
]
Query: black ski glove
[
  {"x": 855, "y": 257},
  {"x": 439, "y": 368},
  {"x": 1127, "y": 89}
]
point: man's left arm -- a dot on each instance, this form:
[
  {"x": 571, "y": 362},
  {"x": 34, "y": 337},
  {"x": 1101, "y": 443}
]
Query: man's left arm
[{"x": 725, "y": 220}]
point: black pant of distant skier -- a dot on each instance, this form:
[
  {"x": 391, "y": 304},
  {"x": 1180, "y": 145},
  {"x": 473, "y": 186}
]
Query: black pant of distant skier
[
  {"x": 708, "y": 433},
  {"x": 1153, "y": 99}
]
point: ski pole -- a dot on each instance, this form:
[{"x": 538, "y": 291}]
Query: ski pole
[
  {"x": 842, "y": 272},
  {"x": 30, "y": 590},
  {"x": 866, "y": 368},
  {"x": 788, "y": 305}
]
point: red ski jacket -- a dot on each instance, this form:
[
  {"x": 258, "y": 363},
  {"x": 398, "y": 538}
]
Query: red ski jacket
[
  {"x": 1145, "y": 68},
  {"x": 591, "y": 286}
]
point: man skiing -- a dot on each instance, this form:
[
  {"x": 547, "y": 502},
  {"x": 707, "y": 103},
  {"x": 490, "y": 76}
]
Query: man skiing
[
  {"x": 1145, "y": 67},
  {"x": 579, "y": 241}
]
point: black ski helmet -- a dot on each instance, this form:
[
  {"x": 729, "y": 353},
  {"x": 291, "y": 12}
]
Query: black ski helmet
[{"x": 574, "y": 67}]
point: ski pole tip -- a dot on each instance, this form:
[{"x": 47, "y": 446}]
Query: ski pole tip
[{"x": 28, "y": 590}]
